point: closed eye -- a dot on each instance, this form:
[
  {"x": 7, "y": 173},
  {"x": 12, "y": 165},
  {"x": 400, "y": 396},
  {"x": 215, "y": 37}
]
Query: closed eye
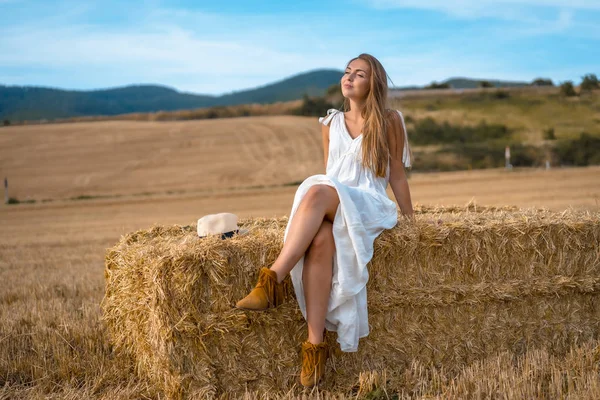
[{"x": 347, "y": 72}]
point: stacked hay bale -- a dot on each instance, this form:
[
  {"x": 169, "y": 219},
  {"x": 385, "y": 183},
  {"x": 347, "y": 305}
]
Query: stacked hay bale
[{"x": 454, "y": 287}]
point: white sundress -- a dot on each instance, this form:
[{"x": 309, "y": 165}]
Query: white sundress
[{"x": 365, "y": 210}]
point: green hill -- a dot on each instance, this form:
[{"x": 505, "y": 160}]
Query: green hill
[
  {"x": 34, "y": 103},
  {"x": 19, "y": 103},
  {"x": 467, "y": 83},
  {"x": 312, "y": 83}
]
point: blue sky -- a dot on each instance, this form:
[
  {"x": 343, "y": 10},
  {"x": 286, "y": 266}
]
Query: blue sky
[{"x": 217, "y": 47}]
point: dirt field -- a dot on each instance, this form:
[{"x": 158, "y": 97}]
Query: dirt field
[
  {"x": 52, "y": 342},
  {"x": 109, "y": 218},
  {"x": 125, "y": 157}
]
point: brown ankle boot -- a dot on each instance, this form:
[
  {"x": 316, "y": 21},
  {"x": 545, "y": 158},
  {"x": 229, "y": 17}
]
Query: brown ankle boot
[
  {"x": 266, "y": 294},
  {"x": 314, "y": 357}
]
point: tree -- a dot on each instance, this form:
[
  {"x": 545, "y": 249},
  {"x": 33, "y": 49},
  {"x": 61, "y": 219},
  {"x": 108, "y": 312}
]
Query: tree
[
  {"x": 485, "y": 84},
  {"x": 333, "y": 94},
  {"x": 500, "y": 94},
  {"x": 589, "y": 82},
  {"x": 581, "y": 151},
  {"x": 313, "y": 106},
  {"x": 542, "y": 82},
  {"x": 333, "y": 90},
  {"x": 567, "y": 89},
  {"x": 435, "y": 85},
  {"x": 549, "y": 134}
]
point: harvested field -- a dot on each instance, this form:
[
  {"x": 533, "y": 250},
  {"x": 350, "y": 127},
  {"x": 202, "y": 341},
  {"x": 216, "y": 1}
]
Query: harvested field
[
  {"x": 149, "y": 158},
  {"x": 445, "y": 294},
  {"x": 109, "y": 179},
  {"x": 137, "y": 161}
]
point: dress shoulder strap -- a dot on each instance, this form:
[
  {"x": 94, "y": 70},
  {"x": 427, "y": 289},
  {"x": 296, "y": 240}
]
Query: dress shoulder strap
[
  {"x": 330, "y": 113},
  {"x": 406, "y": 153}
]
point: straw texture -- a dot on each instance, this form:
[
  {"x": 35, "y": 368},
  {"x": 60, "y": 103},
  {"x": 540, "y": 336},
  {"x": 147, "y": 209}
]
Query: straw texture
[{"x": 458, "y": 285}]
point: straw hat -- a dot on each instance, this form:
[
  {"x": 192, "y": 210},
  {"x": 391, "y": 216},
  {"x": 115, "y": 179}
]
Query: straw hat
[{"x": 224, "y": 224}]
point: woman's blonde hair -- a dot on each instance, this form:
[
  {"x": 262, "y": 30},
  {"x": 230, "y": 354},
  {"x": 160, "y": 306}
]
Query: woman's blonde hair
[{"x": 375, "y": 145}]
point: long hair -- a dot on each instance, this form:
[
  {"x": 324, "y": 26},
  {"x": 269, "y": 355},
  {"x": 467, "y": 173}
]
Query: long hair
[{"x": 375, "y": 147}]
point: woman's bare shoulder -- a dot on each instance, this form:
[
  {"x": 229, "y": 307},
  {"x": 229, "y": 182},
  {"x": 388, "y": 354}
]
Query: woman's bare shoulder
[
  {"x": 393, "y": 118},
  {"x": 328, "y": 117},
  {"x": 392, "y": 112},
  {"x": 394, "y": 128}
]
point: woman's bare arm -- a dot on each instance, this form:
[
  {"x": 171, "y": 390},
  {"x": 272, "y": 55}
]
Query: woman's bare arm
[
  {"x": 398, "y": 180},
  {"x": 325, "y": 134}
]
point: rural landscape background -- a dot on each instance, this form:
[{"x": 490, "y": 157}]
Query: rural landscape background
[
  {"x": 116, "y": 117},
  {"x": 76, "y": 187}
]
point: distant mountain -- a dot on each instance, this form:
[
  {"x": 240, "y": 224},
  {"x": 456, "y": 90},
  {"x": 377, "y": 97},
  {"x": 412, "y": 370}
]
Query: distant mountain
[
  {"x": 312, "y": 83},
  {"x": 34, "y": 103},
  {"x": 19, "y": 103},
  {"x": 468, "y": 83}
]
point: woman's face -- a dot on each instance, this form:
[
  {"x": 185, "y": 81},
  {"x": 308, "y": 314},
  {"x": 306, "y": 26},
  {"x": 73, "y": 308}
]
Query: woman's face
[{"x": 355, "y": 81}]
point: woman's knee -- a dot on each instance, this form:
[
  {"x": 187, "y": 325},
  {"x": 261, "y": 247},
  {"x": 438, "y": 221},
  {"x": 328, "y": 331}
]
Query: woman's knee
[
  {"x": 323, "y": 241},
  {"x": 319, "y": 194}
]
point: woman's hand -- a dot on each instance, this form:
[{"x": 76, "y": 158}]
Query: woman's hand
[{"x": 408, "y": 217}]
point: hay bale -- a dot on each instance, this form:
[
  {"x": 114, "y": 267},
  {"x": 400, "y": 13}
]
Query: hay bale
[{"x": 485, "y": 280}]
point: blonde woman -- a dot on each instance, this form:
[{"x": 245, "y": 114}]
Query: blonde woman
[{"x": 336, "y": 217}]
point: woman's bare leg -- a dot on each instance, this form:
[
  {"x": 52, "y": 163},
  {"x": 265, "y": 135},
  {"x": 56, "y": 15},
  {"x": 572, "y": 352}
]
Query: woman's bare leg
[
  {"x": 316, "y": 279},
  {"x": 319, "y": 203}
]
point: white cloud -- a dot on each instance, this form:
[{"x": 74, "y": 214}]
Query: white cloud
[
  {"x": 502, "y": 9},
  {"x": 439, "y": 65},
  {"x": 516, "y": 19},
  {"x": 563, "y": 22},
  {"x": 216, "y": 53},
  {"x": 173, "y": 56},
  {"x": 457, "y": 5},
  {"x": 190, "y": 50}
]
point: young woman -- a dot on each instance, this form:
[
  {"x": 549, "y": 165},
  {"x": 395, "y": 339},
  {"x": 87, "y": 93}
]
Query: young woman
[{"x": 336, "y": 217}]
